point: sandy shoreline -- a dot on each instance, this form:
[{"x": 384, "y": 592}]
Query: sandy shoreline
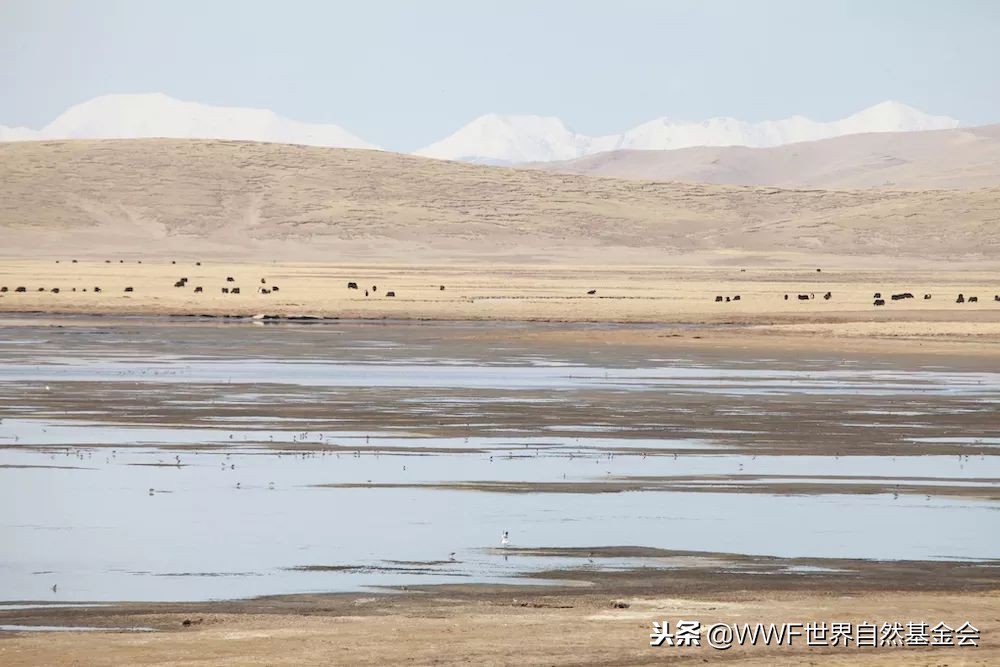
[{"x": 608, "y": 616}]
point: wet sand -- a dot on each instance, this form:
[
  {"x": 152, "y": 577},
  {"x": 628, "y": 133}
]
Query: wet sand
[
  {"x": 988, "y": 489},
  {"x": 597, "y": 618}
]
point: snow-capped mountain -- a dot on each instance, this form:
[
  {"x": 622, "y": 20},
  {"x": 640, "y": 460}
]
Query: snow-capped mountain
[
  {"x": 157, "y": 115},
  {"x": 511, "y": 139},
  {"x": 505, "y": 139},
  {"x": 493, "y": 138}
]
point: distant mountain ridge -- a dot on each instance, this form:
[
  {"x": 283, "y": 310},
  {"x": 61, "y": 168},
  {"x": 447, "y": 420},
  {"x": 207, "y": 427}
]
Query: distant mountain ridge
[
  {"x": 940, "y": 159},
  {"x": 491, "y": 139},
  {"x": 515, "y": 139}
]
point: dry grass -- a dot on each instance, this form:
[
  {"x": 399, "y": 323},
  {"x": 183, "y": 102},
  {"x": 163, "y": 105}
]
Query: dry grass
[
  {"x": 267, "y": 201},
  {"x": 626, "y": 294},
  {"x": 961, "y": 158}
]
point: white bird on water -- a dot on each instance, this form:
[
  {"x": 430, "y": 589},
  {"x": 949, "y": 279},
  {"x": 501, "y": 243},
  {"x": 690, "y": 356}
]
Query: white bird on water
[{"x": 504, "y": 539}]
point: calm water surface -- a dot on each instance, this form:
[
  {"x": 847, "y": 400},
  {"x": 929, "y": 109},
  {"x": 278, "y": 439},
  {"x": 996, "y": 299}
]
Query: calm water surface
[{"x": 134, "y": 501}]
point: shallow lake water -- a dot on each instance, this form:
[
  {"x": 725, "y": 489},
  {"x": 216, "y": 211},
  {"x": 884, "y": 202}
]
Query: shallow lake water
[{"x": 140, "y": 474}]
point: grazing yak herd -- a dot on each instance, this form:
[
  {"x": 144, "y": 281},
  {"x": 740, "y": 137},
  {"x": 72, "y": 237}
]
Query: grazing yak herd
[
  {"x": 180, "y": 283},
  {"x": 878, "y": 300},
  {"x": 265, "y": 288},
  {"x": 374, "y": 289}
]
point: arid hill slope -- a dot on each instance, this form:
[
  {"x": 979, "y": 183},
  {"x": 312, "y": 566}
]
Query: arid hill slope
[
  {"x": 272, "y": 201},
  {"x": 962, "y": 158}
]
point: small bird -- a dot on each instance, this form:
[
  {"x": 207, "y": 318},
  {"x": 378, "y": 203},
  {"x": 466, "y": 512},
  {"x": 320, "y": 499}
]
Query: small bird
[
  {"x": 451, "y": 556},
  {"x": 55, "y": 587},
  {"x": 504, "y": 539},
  {"x": 151, "y": 491}
]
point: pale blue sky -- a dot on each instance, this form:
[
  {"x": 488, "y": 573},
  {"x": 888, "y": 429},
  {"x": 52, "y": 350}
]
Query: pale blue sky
[{"x": 404, "y": 74}]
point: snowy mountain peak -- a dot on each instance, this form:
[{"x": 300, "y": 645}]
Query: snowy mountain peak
[
  {"x": 491, "y": 138},
  {"x": 130, "y": 116},
  {"x": 511, "y": 139},
  {"x": 495, "y": 138},
  {"x": 892, "y": 116}
]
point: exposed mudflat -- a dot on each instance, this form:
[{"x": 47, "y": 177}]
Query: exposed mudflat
[{"x": 157, "y": 470}]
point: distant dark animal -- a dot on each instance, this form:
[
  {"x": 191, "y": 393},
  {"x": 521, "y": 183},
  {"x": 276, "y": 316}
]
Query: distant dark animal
[
  {"x": 442, "y": 288},
  {"x": 366, "y": 292},
  {"x": 736, "y": 298},
  {"x": 879, "y": 302},
  {"x": 352, "y": 286},
  {"x": 121, "y": 261},
  {"x": 21, "y": 289},
  {"x": 172, "y": 262},
  {"x": 904, "y": 295},
  {"x": 41, "y": 289},
  {"x": 786, "y": 297},
  {"x": 84, "y": 289},
  {"x": 264, "y": 290},
  {"x": 274, "y": 288},
  {"x": 97, "y": 289},
  {"x": 74, "y": 261},
  {"x": 718, "y": 299},
  {"x": 225, "y": 290},
  {"x": 230, "y": 279},
  {"x": 198, "y": 290},
  {"x": 818, "y": 270},
  {"x": 592, "y": 291},
  {"x": 960, "y": 299},
  {"x": 107, "y": 261},
  {"x": 390, "y": 293},
  {"x": 728, "y": 299},
  {"x": 828, "y": 296},
  {"x": 197, "y": 263},
  {"x": 3, "y": 289},
  {"x": 129, "y": 289},
  {"x": 878, "y": 295},
  {"x": 179, "y": 283},
  {"x": 235, "y": 290},
  {"x": 55, "y": 290},
  {"x": 973, "y": 299},
  {"x": 926, "y": 297},
  {"x": 996, "y": 297},
  {"x": 374, "y": 288},
  {"x": 803, "y": 297},
  {"x": 263, "y": 282}
]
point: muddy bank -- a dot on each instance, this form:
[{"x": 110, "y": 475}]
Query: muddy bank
[{"x": 610, "y": 615}]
